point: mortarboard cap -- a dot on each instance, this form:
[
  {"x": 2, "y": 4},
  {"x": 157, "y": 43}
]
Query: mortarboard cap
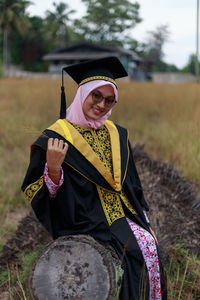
[{"x": 107, "y": 68}]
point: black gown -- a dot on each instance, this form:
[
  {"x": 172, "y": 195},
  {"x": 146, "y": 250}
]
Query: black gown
[{"x": 81, "y": 205}]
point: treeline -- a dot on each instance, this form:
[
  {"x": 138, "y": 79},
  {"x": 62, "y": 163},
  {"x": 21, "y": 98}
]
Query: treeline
[{"x": 24, "y": 39}]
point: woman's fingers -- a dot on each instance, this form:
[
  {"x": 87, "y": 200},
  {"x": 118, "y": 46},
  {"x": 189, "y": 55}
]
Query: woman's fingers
[
  {"x": 66, "y": 147},
  {"x": 60, "y": 144},
  {"x": 50, "y": 143},
  {"x": 56, "y": 153},
  {"x": 57, "y": 144}
]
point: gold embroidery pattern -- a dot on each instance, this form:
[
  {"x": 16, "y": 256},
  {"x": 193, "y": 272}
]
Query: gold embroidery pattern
[
  {"x": 98, "y": 77},
  {"x": 33, "y": 188},
  {"x": 111, "y": 205},
  {"x": 99, "y": 141},
  {"x": 127, "y": 203}
]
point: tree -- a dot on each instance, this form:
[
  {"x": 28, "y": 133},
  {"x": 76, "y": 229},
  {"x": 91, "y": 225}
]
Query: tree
[
  {"x": 154, "y": 46},
  {"x": 35, "y": 45},
  {"x": 107, "y": 21},
  {"x": 190, "y": 67},
  {"x": 57, "y": 25},
  {"x": 12, "y": 15},
  {"x": 136, "y": 46}
]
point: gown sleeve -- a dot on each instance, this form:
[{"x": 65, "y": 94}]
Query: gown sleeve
[
  {"x": 52, "y": 187},
  {"x": 36, "y": 191}
]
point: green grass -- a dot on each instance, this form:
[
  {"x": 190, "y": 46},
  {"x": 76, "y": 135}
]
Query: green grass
[
  {"x": 3, "y": 277},
  {"x": 183, "y": 274},
  {"x": 16, "y": 277},
  {"x": 27, "y": 262}
]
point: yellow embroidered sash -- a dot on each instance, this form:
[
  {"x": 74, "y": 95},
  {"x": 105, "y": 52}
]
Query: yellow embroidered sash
[
  {"x": 77, "y": 140},
  {"x": 100, "y": 141},
  {"x": 101, "y": 147}
]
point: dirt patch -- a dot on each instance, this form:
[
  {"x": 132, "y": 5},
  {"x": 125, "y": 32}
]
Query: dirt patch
[
  {"x": 14, "y": 217},
  {"x": 29, "y": 234}
]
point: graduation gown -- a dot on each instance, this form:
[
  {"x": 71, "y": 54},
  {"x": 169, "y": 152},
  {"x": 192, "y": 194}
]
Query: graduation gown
[{"x": 81, "y": 206}]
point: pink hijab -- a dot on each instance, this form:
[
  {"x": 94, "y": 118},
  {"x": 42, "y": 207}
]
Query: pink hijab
[{"x": 75, "y": 112}]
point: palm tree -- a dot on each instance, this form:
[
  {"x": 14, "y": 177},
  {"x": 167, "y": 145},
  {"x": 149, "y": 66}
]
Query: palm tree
[
  {"x": 12, "y": 15},
  {"x": 56, "y": 24}
]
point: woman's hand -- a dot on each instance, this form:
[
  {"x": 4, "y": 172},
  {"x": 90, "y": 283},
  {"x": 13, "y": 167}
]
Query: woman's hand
[{"x": 56, "y": 152}]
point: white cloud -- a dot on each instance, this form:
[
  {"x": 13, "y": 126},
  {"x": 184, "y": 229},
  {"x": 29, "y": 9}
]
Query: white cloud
[{"x": 180, "y": 16}]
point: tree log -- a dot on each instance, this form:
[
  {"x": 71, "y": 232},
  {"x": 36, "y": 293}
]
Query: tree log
[{"x": 76, "y": 267}]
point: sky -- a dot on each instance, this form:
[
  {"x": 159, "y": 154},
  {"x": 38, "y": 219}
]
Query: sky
[{"x": 179, "y": 15}]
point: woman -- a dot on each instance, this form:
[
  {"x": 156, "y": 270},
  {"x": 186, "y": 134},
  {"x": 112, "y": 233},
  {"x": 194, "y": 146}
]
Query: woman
[{"x": 82, "y": 180}]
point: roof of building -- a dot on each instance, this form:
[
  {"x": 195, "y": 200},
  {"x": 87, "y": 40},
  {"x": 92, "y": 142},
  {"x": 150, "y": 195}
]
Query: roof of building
[{"x": 85, "y": 50}]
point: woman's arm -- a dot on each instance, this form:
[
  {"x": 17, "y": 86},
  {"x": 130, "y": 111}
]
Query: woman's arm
[
  {"x": 52, "y": 187},
  {"x": 56, "y": 153}
]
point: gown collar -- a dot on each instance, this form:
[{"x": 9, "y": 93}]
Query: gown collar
[{"x": 67, "y": 130}]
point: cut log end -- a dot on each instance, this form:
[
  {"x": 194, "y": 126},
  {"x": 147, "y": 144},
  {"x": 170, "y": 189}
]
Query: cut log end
[{"x": 75, "y": 267}]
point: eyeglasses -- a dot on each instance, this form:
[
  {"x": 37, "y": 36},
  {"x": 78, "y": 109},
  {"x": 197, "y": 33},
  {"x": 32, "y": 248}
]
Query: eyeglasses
[{"x": 97, "y": 97}]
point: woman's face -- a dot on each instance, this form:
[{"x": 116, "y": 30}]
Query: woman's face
[{"x": 94, "y": 110}]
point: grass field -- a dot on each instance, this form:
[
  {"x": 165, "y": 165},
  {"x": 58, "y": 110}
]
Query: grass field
[{"x": 164, "y": 117}]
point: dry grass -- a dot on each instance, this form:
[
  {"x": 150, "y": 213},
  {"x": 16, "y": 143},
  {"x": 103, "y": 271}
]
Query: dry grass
[{"x": 164, "y": 117}]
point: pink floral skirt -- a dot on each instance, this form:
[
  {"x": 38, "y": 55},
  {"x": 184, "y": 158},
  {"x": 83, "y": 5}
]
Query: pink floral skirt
[{"x": 147, "y": 245}]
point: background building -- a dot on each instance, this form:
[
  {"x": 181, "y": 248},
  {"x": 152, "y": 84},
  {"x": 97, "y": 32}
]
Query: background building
[{"x": 136, "y": 67}]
